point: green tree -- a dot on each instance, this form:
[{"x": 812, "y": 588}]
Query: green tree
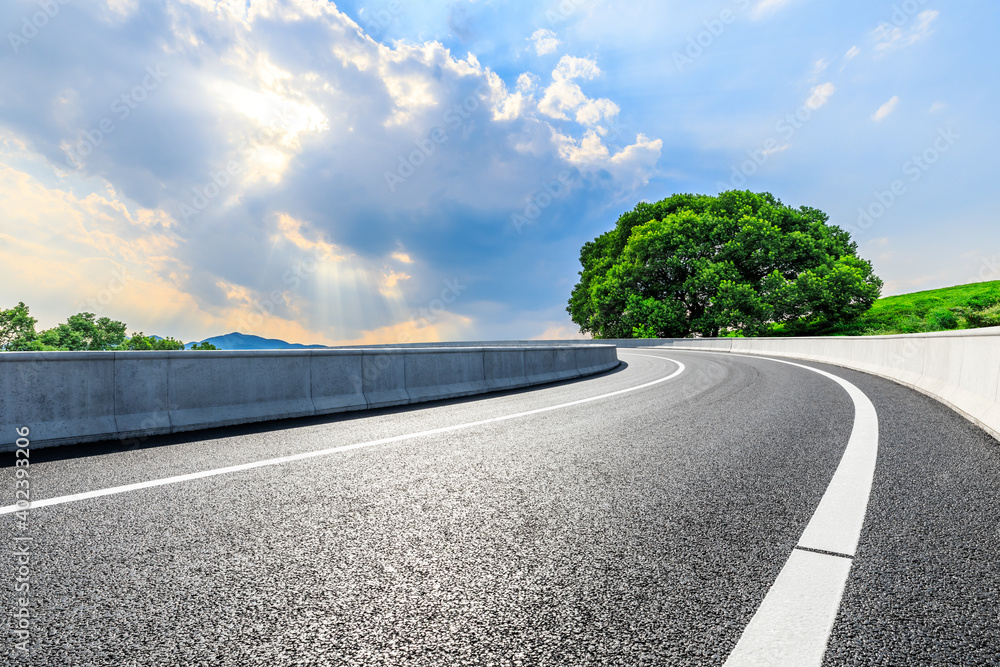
[
  {"x": 737, "y": 263},
  {"x": 140, "y": 341},
  {"x": 83, "y": 332},
  {"x": 17, "y": 329}
]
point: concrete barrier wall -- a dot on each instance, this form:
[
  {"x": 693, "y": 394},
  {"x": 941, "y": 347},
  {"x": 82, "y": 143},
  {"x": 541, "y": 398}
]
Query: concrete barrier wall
[
  {"x": 74, "y": 397},
  {"x": 959, "y": 368}
]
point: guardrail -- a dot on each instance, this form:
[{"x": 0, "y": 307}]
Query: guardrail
[
  {"x": 959, "y": 368},
  {"x": 75, "y": 397}
]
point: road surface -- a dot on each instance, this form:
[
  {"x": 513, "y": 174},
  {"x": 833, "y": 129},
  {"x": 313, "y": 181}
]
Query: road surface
[{"x": 639, "y": 517}]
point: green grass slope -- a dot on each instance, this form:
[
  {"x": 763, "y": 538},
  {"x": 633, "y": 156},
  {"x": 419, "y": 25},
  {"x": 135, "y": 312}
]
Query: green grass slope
[{"x": 960, "y": 307}]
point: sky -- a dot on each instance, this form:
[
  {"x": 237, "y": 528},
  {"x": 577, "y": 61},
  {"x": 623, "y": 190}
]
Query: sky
[{"x": 385, "y": 171}]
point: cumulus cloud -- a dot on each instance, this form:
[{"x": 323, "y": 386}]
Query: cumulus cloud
[
  {"x": 565, "y": 95},
  {"x": 883, "y": 111},
  {"x": 251, "y": 184},
  {"x": 545, "y": 41},
  {"x": 631, "y": 166}
]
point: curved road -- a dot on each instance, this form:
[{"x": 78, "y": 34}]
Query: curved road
[{"x": 635, "y": 518}]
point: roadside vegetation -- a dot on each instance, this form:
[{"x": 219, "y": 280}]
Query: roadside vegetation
[
  {"x": 736, "y": 264},
  {"x": 961, "y": 307},
  {"x": 744, "y": 264},
  {"x": 80, "y": 332}
]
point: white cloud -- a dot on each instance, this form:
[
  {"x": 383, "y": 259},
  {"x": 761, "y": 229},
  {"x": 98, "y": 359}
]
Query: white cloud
[
  {"x": 821, "y": 94},
  {"x": 591, "y": 112},
  {"x": 570, "y": 68},
  {"x": 883, "y": 111},
  {"x": 564, "y": 95},
  {"x": 632, "y": 165},
  {"x": 852, "y": 53},
  {"x": 560, "y": 97},
  {"x": 937, "y": 106},
  {"x": 292, "y": 147},
  {"x": 818, "y": 68},
  {"x": 527, "y": 83},
  {"x": 545, "y": 41},
  {"x": 890, "y": 38},
  {"x": 122, "y": 9},
  {"x": 768, "y": 6}
]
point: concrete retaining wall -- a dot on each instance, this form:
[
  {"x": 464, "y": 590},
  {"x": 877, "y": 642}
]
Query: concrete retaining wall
[
  {"x": 74, "y": 397},
  {"x": 959, "y": 368}
]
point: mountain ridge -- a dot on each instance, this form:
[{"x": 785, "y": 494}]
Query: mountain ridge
[{"x": 241, "y": 341}]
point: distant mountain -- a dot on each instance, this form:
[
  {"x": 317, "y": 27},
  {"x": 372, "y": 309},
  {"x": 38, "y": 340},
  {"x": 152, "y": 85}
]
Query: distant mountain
[{"x": 239, "y": 341}]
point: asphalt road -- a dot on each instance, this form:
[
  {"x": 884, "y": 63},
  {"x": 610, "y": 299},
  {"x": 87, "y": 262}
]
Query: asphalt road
[{"x": 643, "y": 528}]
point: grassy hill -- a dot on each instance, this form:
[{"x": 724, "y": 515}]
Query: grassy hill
[{"x": 961, "y": 307}]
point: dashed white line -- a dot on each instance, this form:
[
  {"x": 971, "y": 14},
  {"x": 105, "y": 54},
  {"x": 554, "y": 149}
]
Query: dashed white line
[{"x": 61, "y": 500}]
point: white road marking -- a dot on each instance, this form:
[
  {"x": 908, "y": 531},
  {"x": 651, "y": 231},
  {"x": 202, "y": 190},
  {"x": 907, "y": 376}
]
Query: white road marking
[
  {"x": 61, "y": 500},
  {"x": 792, "y": 626}
]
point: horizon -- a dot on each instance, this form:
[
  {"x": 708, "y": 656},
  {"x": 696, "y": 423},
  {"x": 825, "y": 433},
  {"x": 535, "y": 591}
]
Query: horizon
[{"x": 363, "y": 172}]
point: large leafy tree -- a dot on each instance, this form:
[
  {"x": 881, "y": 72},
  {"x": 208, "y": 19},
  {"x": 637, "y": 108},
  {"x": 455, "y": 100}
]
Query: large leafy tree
[
  {"x": 17, "y": 329},
  {"x": 737, "y": 263}
]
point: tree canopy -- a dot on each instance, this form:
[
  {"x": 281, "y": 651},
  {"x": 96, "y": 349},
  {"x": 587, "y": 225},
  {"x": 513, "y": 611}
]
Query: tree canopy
[
  {"x": 81, "y": 332},
  {"x": 739, "y": 263}
]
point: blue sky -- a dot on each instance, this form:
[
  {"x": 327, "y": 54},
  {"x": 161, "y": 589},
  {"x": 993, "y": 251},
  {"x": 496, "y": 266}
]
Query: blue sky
[{"x": 374, "y": 172}]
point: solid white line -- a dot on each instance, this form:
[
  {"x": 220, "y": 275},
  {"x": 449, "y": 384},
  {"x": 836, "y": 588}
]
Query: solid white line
[
  {"x": 61, "y": 500},
  {"x": 792, "y": 626}
]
